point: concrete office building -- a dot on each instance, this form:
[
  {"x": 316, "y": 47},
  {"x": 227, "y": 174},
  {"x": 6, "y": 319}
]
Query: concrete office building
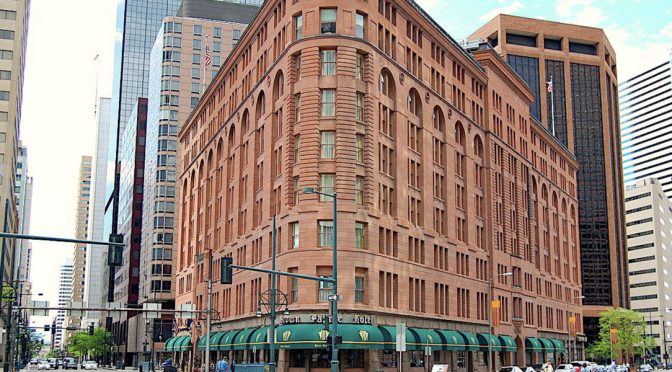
[
  {"x": 585, "y": 117},
  {"x": 96, "y": 257},
  {"x": 649, "y": 226},
  {"x": 79, "y": 253},
  {"x": 64, "y": 294},
  {"x": 445, "y": 183},
  {"x": 13, "y": 38},
  {"x": 646, "y": 126},
  {"x": 24, "y": 195}
]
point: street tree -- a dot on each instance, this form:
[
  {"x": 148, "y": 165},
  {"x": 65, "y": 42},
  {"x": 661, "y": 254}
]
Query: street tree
[
  {"x": 630, "y": 336},
  {"x": 83, "y": 344}
]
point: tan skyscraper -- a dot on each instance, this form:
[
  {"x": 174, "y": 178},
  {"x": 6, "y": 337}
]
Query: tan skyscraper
[
  {"x": 13, "y": 32},
  {"x": 582, "y": 113},
  {"x": 81, "y": 229}
]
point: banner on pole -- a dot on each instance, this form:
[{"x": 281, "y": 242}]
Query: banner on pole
[{"x": 496, "y": 307}]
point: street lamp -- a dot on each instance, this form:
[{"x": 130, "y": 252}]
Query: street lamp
[
  {"x": 491, "y": 366},
  {"x": 333, "y": 299},
  {"x": 570, "y": 300}
]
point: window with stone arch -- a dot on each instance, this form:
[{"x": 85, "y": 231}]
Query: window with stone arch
[
  {"x": 387, "y": 86},
  {"x": 414, "y": 103},
  {"x": 439, "y": 120}
]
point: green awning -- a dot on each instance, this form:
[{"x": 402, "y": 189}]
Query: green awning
[
  {"x": 241, "y": 339},
  {"x": 302, "y": 336},
  {"x": 215, "y": 341},
  {"x": 427, "y": 337},
  {"x": 452, "y": 340},
  {"x": 488, "y": 341},
  {"x": 412, "y": 341},
  {"x": 361, "y": 336},
  {"x": 184, "y": 344},
  {"x": 547, "y": 345},
  {"x": 389, "y": 336},
  {"x": 226, "y": 341},
  {"x": 471, "y": 341},
  {"x": 168, "y": 346},
  {"x": 213, "y": 337},
  {"x": 533, "y": 345},
  {"x": 508, "y": 344},
  {"x": 558, "y": 344},
  {"x": 259, "y": 338}
]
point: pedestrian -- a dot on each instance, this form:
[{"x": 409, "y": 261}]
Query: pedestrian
[
  {"x": 548, "y": 367},
  {"x": 613, "y": 366},
  {"x": 223, "y": 366},
  {"x": 585, "y": 367}
]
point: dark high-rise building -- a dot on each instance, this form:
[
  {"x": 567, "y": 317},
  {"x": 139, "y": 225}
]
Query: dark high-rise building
[
  {"x": 583, "y": 116},
  {"x": 131, "y": 181}
]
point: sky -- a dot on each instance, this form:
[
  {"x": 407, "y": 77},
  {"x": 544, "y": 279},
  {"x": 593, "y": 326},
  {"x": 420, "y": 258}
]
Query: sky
[{"x": 63, "y": 79}]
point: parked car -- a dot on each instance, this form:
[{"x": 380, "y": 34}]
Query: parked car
[
  {"x": 510, "y": 369},
  {"x": 90, "y": 364},
  {"x": 43, "y": 364},
  {"x": 645, "y": 368},
  {"x": 53, "y": 363},
  {"x": 565, "y": 367},
  {"x": 70, "y": 363},
  {"x": 34, "y": 362}
]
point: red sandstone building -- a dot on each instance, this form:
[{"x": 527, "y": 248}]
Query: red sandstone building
[{"x": 444, "y": 182}]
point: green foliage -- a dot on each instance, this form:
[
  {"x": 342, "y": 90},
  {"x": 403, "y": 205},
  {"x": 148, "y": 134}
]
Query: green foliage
[
  {"x": 631, "y": 328},
  {"x": 52, "y": 354},
  {"x": 82, "y": 344},
  {"x": 8, "y": 292}
]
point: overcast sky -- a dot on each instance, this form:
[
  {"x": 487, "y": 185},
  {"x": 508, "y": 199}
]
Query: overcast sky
[{"x": 61, "y": 78}]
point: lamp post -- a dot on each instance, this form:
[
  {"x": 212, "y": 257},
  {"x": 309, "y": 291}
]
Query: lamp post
[
  {"x": 491, "y": 366},
  {"x": 569, "y": 345},
  {"x": 333, "y": 299},
  {"x": 272, "y": 300}
]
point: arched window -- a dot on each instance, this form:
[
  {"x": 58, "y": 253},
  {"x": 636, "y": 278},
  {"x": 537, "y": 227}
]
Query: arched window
[
  {"x": 478, "y": 147},
  {"x": 414, "y": 103},
  {"x": 244, "y": 124},
  {"x": 261, "y": 106},
  {"x": 439, "y": 120},
  {"x": 387, "y": 86},
  {"x": 278, "y": 86},
  {"x": 460, "y": 137}
]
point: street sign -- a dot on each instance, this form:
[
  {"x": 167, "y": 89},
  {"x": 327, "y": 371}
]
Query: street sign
[
  {"x": 334, "y": 297},
  {"x": 187, "y": 311},
  {"x": 148, "y": 314},
  {"x": 39, "y": 304},
  {"x": 401, "y": 337},
  {"x": 74, "y": 312}
]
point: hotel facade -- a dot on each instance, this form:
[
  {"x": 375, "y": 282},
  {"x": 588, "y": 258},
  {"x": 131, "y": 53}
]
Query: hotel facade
[{"x": 445, "y": 185}]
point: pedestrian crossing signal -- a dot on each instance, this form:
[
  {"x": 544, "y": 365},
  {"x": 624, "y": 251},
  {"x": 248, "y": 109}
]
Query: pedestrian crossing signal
[{"x": 227, "y": 271}]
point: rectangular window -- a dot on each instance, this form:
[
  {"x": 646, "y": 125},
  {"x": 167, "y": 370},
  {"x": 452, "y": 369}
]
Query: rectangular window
[
  {"x": 235, "y": 36},
  {"x": 359, "y": 67},
  {"x": 359, "y": 108},
  {"x": 4, "y": 116},
  {"x": 196, "y": 88},
  {"x": 359, "y": 148},
  {"x": 324, "y": 290},
  {"x": 4, "y": 95},
  {"x": 9, "y": 34},
  {"x": 297, "y": 148},
  {"x": 196, "y": 59},
  {"x": 359, "y": 289},
  {"x": 327, "y": 145},
  {"x": 196, "y": 73},
  {"x": 297, "y": 66},
  {"x": 297, "y": 190},
  {"x": 216, "y": 46},
  {"x": 196, "y": 44},
  {"x": 328, "y": 21},
  {"x": 360, "y": 235},
  {"x": 5, "y": 75},
  {"x": 326, "y": 233},
  {"x": 328, "y": 102},
  {"x": 297, "y": 107},
  {"x": 326, "y": 185},
  {"x": 359, "y": 190},
  {"x": 294, "y": 228},
  {"x": 295, "y": 290},
  {"x": 217, "y": 32},
  {"x": 7, "y": 14},
  {"x": 6, "y": 54},
  {"x": 328, "y": 62},
  {"x": 298, "y": 27},
  {"x": 360, "y": 25},
  {"x": 198, "y": 29}
]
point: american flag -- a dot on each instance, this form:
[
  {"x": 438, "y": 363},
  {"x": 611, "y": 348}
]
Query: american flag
[
  {"x": 548, "y": 83},
  {"x": 208, "y": 56}
]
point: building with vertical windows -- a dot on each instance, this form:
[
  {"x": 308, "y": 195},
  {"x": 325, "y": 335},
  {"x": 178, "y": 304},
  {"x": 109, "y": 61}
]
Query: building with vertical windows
[
  {"x": 64, "y": 294},
  {"x": 80, "y": 252},
  {"x": 96, "y": 266},
  {"x": 445, "y": 183},
  {"x": 13, "y": 38},
  {"x": 646, "y": 120},
  {"x": 178, "y": 75},
  {"x": 127, "y": 276},
  {"x": 583, "y": 117},
  {"x": 23, "y": 191},
  {"x": 649, "y": 226}
]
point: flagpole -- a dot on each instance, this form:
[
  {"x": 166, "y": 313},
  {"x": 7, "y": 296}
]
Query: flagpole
[
  {"x": 204, "y": 65},
  {"x": 551, "y": 88}
]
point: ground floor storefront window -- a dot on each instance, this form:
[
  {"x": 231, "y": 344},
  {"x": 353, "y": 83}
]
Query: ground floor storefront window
[
  {"x": 354, "y": 359},
  {"x": 417, "y": 358},
  {"x": 461, "y": 359},
  {"x": 297, "y": 359},
  {"x": 320, "y": 359},
  {"x": 388, "y": 358}
]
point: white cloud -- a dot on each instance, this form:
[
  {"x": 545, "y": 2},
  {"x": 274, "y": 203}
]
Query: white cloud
[
  {"x": 428, "y": 4},
  {"x": 666, "y": 31},
  {"x": 582, "y": 12},
  {"x": 506, "y": 9},
  {"x": 636, "y": 51}
]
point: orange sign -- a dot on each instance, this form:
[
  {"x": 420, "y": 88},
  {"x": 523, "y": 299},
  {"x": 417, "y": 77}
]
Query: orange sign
[
  {"x": 614, "y": 335},
  {"x": 496, "y": 308},
  {"x": 572, "y": 326}
]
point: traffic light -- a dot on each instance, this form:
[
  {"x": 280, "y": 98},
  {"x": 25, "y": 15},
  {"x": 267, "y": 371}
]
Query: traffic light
[
  {"x": 91, "y": 329},
  {"x": 47, "y": 327},
  {"x": 53, "y": 328},
  {"x": 114, "y": 253},
  {"x": 227, "y": 271}
]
